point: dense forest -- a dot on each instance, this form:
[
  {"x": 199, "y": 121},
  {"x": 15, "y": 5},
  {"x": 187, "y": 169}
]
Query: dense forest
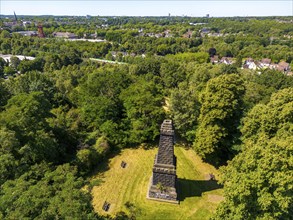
[{"x": 62, "y": 114}]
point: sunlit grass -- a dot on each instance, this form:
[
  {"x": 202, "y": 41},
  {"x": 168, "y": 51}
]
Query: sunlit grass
[{"x": 198, "y": 196}]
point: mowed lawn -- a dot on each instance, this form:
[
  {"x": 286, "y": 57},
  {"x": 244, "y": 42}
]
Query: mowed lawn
[{"x": 198, "y": 196}]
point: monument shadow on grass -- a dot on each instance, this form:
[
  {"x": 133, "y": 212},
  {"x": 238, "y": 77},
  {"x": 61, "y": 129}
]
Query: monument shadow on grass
[{"x": 191, "y": 188}]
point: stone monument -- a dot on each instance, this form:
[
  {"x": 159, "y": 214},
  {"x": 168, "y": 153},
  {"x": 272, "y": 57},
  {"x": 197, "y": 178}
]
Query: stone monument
[{"x": 163, "y": 181}]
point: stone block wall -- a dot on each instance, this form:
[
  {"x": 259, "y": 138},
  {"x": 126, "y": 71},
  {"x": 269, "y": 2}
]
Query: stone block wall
[
  {"x": 167, "y": 180},
  {"x": 166, "y": 149}
]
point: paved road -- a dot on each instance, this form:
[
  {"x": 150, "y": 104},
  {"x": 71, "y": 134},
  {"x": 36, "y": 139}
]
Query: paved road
[{"x": 106, "y": 61}]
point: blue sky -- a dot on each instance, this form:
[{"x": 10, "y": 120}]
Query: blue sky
[{"x": 194, "y": 8}]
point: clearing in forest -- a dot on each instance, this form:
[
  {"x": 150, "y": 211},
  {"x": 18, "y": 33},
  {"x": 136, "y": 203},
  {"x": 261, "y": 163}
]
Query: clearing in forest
[{"x": 198, "y": 195}]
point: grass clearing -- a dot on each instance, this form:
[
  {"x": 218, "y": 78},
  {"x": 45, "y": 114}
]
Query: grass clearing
[{"x": 198, "y": 196}]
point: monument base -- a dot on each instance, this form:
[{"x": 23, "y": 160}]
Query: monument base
[{"x": 169, "y": 195}]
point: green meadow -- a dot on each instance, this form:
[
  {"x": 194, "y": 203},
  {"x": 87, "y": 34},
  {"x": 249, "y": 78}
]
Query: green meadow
[{"x": 198, "y": 196}]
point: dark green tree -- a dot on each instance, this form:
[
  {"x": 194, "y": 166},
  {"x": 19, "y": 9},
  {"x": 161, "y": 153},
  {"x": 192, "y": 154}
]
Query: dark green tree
[
  {"x": 258, "y": 181},
  {"x": 184, "y": 109},
  {"x": 9, "y": 71},
  {"x": 26, "y": 114},
  {"x": 268, "y": 119},
  {"x": 46, "y": 193},
  {"x": 219, "y": 118},
  {"x": 33, "y": 82},
  {"x": 14, "y": 62},
  {"x": 2, "y": 65},
  {"x": 172, "y": 73},
  {"x": 100, "y": 106},
  {"x": 4, "y": 94},
  {"x": 143, "y": 105}
]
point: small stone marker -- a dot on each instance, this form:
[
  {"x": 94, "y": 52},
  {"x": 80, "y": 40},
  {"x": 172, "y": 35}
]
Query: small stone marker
[
  {"x": 106, "y": 206},
  {"x": 123, "y": 164},
  {"x": 212, "y": 176}
]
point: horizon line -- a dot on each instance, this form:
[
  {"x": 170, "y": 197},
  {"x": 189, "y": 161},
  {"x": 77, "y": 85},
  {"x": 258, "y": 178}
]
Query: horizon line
[{"x": 240, "y": 16}]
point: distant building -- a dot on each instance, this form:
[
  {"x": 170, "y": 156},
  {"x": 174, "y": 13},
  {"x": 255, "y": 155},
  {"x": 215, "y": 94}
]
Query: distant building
[
  {"x": 167, "y": 33},
  {"x": 25, "y": 23},
  {"x": 188, "y": 34},
  {"x": 250, "y": 64},
  {"x": 265, "y": 62},
  {"x": 204, "y": 31},
  {"x": 67, "y": 35},
  {"x": 283, "y": 66},
  {"x": 28, "y": 33},
  {"x": 197, "y": 23},
  {"x": 214, "y": 59},
  {"x": 158, "y": 35},
  {"x": 7, "y": 57},
  {"x": 227, "y": 60}
]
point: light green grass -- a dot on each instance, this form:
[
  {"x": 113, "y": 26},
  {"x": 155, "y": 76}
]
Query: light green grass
[{"x": 198, "y": 196}]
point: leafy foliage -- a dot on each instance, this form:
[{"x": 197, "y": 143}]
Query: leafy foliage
[
  {"x": 46, "y": 193},
  {"x": 143, "y": 106},
  {"x": 219, "y": 117},
  {"x": 268, "y": 119},
  {"x": 258, "y": 181}
]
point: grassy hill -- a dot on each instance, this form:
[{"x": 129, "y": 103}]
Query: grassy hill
[{"x": 198, "y": 196}]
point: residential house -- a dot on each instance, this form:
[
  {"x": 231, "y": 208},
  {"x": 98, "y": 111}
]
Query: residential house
[
  {"x": 204, "y": 31},
  {"x": 188, "y": 34},
  {"x": 117, "y": 53},
  {"x": 25, "y": 23},
  {"x": 167, "y": 33},
  {"x": 227, "y": 60},
  {"x": 28, "y": 33},
  {"x": 274, "y": 66},
  {"x": 249, "y": 63},
  {"x": 283, "y": 66},
  {"x": 265, "y": 63},
  {"x": 214, "y": 59},
  {"x": 159, "y": 35},
  {"x": 67, "y": 35}
]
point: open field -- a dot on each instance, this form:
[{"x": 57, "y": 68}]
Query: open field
[{"x": 198, "y": 196}]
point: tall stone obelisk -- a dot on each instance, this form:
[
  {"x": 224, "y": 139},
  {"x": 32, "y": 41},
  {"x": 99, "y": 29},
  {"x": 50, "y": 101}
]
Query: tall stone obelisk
[{"x": 163, "y": 181}]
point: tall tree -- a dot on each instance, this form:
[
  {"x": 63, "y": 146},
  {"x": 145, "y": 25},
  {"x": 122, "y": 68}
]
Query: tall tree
[
  {"x": 268, "y": 119},
  {"x": 100, "y": 106},
  {"x": 258, "y": 181},
  {"x": 184, "y": 109},
  {"x": 219, "y": 117},
  {"x": 143, "y": 104},
  {"x": 46, "y": 193},
  {"x": 172, "y": 73},
  {"x": 26, "y": 114},
  {"x": 4, "y": 94}
]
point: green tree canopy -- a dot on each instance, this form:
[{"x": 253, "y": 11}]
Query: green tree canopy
[
  {"x": 47, "y": 194},
  {"x": 219, "y": 117},
  {"x": 26, "y": 114},
  {"x": 258, "y": 181},
  {"x": 143, "y": 104}
]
